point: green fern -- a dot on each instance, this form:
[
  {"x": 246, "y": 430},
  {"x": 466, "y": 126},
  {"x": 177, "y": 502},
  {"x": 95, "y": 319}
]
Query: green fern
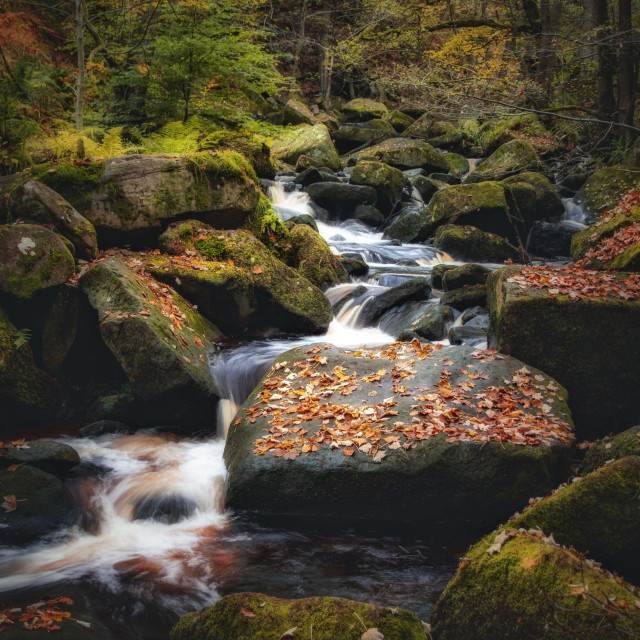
[{"x": 22, "y": 336}]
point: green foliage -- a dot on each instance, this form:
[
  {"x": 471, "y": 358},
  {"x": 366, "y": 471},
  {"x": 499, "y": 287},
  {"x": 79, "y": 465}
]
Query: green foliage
[
  {"x": 212, "y": 248},
  {"x": 21, "y": 337}
]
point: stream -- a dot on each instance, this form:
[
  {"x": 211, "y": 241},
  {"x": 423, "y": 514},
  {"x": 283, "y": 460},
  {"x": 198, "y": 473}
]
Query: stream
[{"x": 152, "y": 539}]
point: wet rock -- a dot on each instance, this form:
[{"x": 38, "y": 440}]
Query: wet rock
[
  {"x": 164, "y": 357},
  {"x": 312, "y": 175},
  {"x": 444, "y": 177},
  {"x": 467, "y": 335},
  {"x": 552, "y": 239},
  {"x": 43, "y": 504},
  {"x": 261, "y": 617},
  {"x": 305, "y": 219},
  {"x": 438, "y": 483},
  {"x": 32, "y": 258},
  {"x": 257, "y": 295},
  {"x": 414, "y": 289},
  {"x": 426, "y": 187},
  {"x": 509, "y": 159},
  {"x": 573, "y": 181},
  {"x": 341, "y": 199},
  {"x": 56, "y": 458},
  {"x": 528, "y": 589},
  {"x": 437, "y": 273},
  {"x": 433, "y": 325},
  {"x": 312, "y": 257},
  {"x": 296, "y": 112},
  {"x": 466, "y": 297},
  {"x": 363, "y": 109},
  {"x": 105, "y": 427},
  {"x": 467, "y": 274},
  {"x": 403, "y": 153},
  {"x": 597, "y": 515},
  {"x": 352, "y": 136},
  {"x": 547, "y": 204},
  {"x": 354, "y": 266},
  {"x": 313, "y": 142},
  {"x": 34, "y": 202},
  {"x": 387, "y": 181},
  {"x": 167, "y": 509},
  {"x": 605, "y": 188},
  {"x": 469, "y": 243},
  {"x": 577, "y": 342},
  {"x": 611, "y": 448},
  {"x": 368, "y": 215}
]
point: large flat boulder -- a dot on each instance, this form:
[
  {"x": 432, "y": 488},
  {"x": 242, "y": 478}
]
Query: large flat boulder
[
  {"x": 237, "y": 283},
  {"x": 135, "y": 196},
  {"x": 35, "y": 202},
  {"x": 403, "y": 153},
  {"x": 363, "y": 109},
  {"x": 352, "y": 136},
  {"x": 520, "y": 584},
  {"x": 158, "y": 340},
  {"x": 408, "y": 433},
  {"x": 255, "y": 616},
  {"x": 569, "y": 322},
  {"x": 314, "y": 142},
  {"x": 339, "y": 199},
  {"x": 32, "y": 258}
]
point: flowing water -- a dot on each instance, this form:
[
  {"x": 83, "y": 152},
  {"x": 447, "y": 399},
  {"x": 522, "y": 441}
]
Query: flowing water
[{"x": 152, "y": 538}]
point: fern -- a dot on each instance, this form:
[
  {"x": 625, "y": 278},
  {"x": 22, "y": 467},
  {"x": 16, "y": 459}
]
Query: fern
[
  {"x": 22, "y": 336},
  {"x": 111, "y": 145}
]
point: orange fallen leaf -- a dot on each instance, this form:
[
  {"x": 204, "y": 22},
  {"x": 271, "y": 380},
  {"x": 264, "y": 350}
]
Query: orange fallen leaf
[
  {"x": 257, "y": 270},
  {"x": 247, "y": 613},
  {"x": 529, "y": 563}
]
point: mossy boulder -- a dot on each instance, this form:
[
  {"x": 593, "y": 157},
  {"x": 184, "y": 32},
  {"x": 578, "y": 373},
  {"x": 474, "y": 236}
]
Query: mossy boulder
[
  {"x": 547, "y": 203},
  {"x": 363, "y": 109},
  {"x": 34, "y": 202},
  {"x": 465, "y": 275},
  {"x": 387, "y": 181},
  {"x": 426, "y": 187},
  {"x": 26, "y": 392},
  {"x": 340, "y": 199},
  {"x": 160, "y": 342},
  {"x": 43, "y": 504},
  {"x": 434, "y": 323},
  {"x": 419, "y": 128},
  {"x": 470, "y": 243},
  {"x": 314, "y": 142},
  {"x": 530, "y": 588},
  {"x": 409, "y": 226},
  {"x": 403, "y": 153},
  {"x": 481, "y": 205},
  {"x": 605, "y": 188},
  {"x": 255, "y": 616},
  {"x": 399, "y": 121},
  {"x": 496, "y": 132},
  {"x": 297, "y": 112},
  {"x": 32, "y": 258},
  {"x": 312, "y": 257},
  {"x": 511, "y": 158},
  {"x": 330, "y": 472},
  {"x": 600, "y": 231},
  {"x": 351, "y": 136},
  {"x": 238, "y": 284},
  {"x": 611, "y": 448},
  {"x": 458, "y": 165},
  {"x": 56, "y": 458},
  {"x": 134, "y": 196},
  {"x": 573, "y": 340},
  {"x": 437, "y": 273},
  {"x": 598, "y": 514},
  {"x": 465, "y": 297}
]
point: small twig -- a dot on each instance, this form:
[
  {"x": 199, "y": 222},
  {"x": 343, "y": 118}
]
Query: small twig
[{"x": 362, "y": 623}]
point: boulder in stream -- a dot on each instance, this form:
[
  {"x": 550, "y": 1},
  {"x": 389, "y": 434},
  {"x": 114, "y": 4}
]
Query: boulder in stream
[
  {"x": 605, "y": 188},
  {"x": 568, "y": 322},
  {"x": 466, "y": 242},
  {"x": 255, "y": 616},
  {"x": 56, "y": 458},
  {"x": 509, "y": 159},
  {"x": 414, "y": 289},
  {"x": 314, "y": 142},
  {"x": 403, "y": 153},
  {"x": 339, "y": 199},
  {"x": 387, "y": 181},
  {"x": 353, "y": 136},
  {"x": 446, "y": 438}
]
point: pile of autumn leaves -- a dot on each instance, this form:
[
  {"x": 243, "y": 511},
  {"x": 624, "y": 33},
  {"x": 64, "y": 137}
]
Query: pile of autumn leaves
[
  {"x": 517, "y": 412},
  {"x": 40, "y": 615}
]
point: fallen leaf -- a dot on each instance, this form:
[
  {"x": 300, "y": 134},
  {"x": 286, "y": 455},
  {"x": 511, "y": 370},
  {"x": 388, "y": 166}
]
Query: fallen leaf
[
  {"x": 9, "y": 503},
  {"x": 372, "y": 634},
  {"x": 289, "y": 633},
  {"x": 13, "y": 467},
  {"x": 529, "y": 563},
  {"x": 247, "y": 613},
  {"x": 257, "y": 270},
  {"x": 499, "y": 540}
]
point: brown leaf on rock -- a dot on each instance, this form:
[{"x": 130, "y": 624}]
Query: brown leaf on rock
[
  {"x": 290, "y": 633},
  {"x": 529, "y": 563},
  {"x": 247, "y": 613},
  {"x": 372, "y": 634}
]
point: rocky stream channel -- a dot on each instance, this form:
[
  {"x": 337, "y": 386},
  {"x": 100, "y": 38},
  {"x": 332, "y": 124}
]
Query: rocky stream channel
[{"x": 166, "y": 523}]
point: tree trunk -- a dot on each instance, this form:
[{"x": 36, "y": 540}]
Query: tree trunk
[
  {"x": 326, "y": 58},
  {"x": 80, "y": 48},
  {"x": 547, "y": 54},
  {"x": 606, "y": 61},
  {"x": 626, "y": 71},
  {"x": 297, "y": 74}
]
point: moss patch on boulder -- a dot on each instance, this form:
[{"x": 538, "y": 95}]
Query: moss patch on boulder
[
  {"x": 313, "y": 142},
  {"x": 363, "y": 109},
  {"x": 403, "y": 153},
  {"x": 611, "y": 448},
  {"x": 605, "y": 188},
  {"x": 511, "y": 158},
  {"x": 470, "y": 243},
  {"x": 387, "y": 181}
]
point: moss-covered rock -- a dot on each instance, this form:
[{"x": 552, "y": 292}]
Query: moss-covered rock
[
  {"x": 598, "y": 514},
  {"x": 43, "y": 504},
  {"x": 529, "y": 588},
  {"x": 398, "y": 120},
  {"x": 419, "y": 128},
  {"x": 573, "y": 340},
  {"x": 35, "y": 202},
  {"x": 363, "y": 109},
  {"x": 437, "y": 273},
  {"x": 426, "y": 187},
  {"x": 466, "y": 275},
  {"x": 469, "y": 243},
  {"x": 255, "y": 616},
  {"x": 466, "y": 297},
  {"x": 56, "y": 458},
  {"x": 605, "y": 188},
  {"x": 351, "y": 136},
  {"x": 312, "y": 257},
  {"x": 481, "y": 205},
  {"x": 32, "y": 258},
  {"x": 434, "y": 323},
  {"x": 387, "y": 181},
  {"x": 440, "y": 482},
  {"x": 511, "y": 158},
  {"x": 297, "y": 112},
  {"x": 313, "y": 142},
  {"x": 547, "y": 203},
  {"x": 458, "y": 165},
  {"x": 611, "y": 448},
  {"x": 239, "y": 285},
  {"x": 496, "y": 132},
  {"x": 403, "y": 153},
  {"x": 158, "y": 340},
  {"x": 26, "y": 392},
  {"x": 409, "y": 227}
]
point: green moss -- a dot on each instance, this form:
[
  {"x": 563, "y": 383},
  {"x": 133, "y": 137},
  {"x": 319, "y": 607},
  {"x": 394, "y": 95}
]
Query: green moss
[
  {"x": 265, "y": 225},
  {"x": 622, "y": 444},
  {"x": 469, "y": 243},
  {"x": 119, "y": 203},
  {"x": 320, "y": 618},
  {"x": 221, "y": 165},
  {"x": 212, "y": 248},
  {"x": 74, "y": 182}
]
